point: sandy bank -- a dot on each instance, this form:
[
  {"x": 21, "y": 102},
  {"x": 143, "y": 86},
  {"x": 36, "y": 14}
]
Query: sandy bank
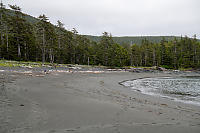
[{"x": 90, "y": 102}]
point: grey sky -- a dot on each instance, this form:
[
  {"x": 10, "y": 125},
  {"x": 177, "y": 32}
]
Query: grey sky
[{"x": 120, "y": 17}]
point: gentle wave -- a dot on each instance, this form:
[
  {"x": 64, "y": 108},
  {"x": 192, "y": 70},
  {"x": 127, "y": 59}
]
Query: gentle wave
[{"x": 184, "y": 89}]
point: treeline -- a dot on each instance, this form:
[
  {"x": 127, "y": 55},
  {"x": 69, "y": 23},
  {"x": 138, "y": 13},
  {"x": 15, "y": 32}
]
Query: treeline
[
  {"x": 134, "y": 39},
  {"x": 42, "y": 41},
  {"x": 183, "y": 53}
]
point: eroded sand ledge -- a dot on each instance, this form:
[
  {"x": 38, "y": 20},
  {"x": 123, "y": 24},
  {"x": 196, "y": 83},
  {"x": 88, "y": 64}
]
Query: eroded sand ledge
[{"x": 90, "y": 102}]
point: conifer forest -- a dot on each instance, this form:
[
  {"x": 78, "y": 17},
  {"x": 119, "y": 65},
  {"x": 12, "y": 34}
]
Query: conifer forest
[{"x": 25, "y": 39}]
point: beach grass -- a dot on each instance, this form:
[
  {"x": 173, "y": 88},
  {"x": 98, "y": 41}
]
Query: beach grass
[{"x": 9, "y": 63}]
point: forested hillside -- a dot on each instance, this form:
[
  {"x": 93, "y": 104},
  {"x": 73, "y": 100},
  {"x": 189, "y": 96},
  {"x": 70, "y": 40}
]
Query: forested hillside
[
  {"x": 27, "y": 17},
  {"x": 25, "y": 38},
  {"x": 135, "y": 39},
  {"x": 120, "y": 40}
]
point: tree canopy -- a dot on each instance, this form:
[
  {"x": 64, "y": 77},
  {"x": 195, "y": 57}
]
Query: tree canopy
[{"x": 43, "y": 41}]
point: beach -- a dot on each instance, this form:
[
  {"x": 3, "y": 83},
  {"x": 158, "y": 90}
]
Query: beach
[{"x": 89, "y": 102}]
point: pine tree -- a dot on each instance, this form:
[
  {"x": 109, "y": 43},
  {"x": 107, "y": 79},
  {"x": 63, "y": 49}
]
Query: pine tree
[
  {"x": 18, "y": 23},
  {"x": 74, "y": 45},
  {"x": 61, "y": 35},
  {"x": 41, "y": 32},
  {"x": 2, "y": 26},
  {"x": 104, "y": 46}
]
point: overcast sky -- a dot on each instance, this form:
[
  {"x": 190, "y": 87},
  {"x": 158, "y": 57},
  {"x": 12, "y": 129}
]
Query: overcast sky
[{"x": 120, "y": 17}]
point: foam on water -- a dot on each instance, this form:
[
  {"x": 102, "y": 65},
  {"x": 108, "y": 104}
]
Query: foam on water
[{"x": 182, "y": 89}]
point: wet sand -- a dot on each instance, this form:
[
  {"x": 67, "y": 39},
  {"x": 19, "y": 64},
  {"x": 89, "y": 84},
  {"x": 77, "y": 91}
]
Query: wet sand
[{"x": 89, "y": 103}]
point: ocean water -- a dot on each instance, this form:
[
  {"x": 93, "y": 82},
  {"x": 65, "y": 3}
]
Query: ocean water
[{"x": 184, "y": 89}]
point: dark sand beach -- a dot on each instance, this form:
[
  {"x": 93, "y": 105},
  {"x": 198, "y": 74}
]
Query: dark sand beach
[{"x": 88, "y": 103}]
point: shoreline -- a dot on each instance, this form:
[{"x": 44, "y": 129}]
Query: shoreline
[
  {"x": 175, "y": 98},
  {"x": 92, "y": 102}
]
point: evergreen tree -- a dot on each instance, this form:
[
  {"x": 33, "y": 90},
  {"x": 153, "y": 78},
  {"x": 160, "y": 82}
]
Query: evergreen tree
[
  {"x": 42, "y": 35},
  {"x": 2, "y": 26},
  {"x": 104, "y": 46},
  {"x": 136, "y": 55},
  {"x": 20, "y": 40}
]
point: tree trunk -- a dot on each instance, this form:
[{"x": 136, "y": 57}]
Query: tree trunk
[
  {"x": 175, "y": 57},
  {"x": 154, "y": 57},
  {"x": 131, "y": 60},
  {"x": 1, "y": 44},
  {"x": 195, "y": 53},
  {"x": 19, "y": 51},
  {"x": 25, "y": 53},
  {"x": 7, "y": 40},
  {"x": 1, "y": 33},
  {"x": 145, "y": 59},
  {"x": 1, "y": 26},
  {"x": 88, "y": 61},
  {"x": 51, "y": 56},
  {"x": 59, "y": 42},
  {"x": 43, "y": 47},
  {"x": 43, "y": 56},
  {"x": 74, "y": 54},
  {"x": 36, "y": 56}
]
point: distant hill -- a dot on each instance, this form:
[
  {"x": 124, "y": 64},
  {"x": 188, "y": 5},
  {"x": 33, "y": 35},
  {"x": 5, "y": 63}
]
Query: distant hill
[
  {"x": 134, "y": 39},
  {"x": 29, "y": 18}
]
